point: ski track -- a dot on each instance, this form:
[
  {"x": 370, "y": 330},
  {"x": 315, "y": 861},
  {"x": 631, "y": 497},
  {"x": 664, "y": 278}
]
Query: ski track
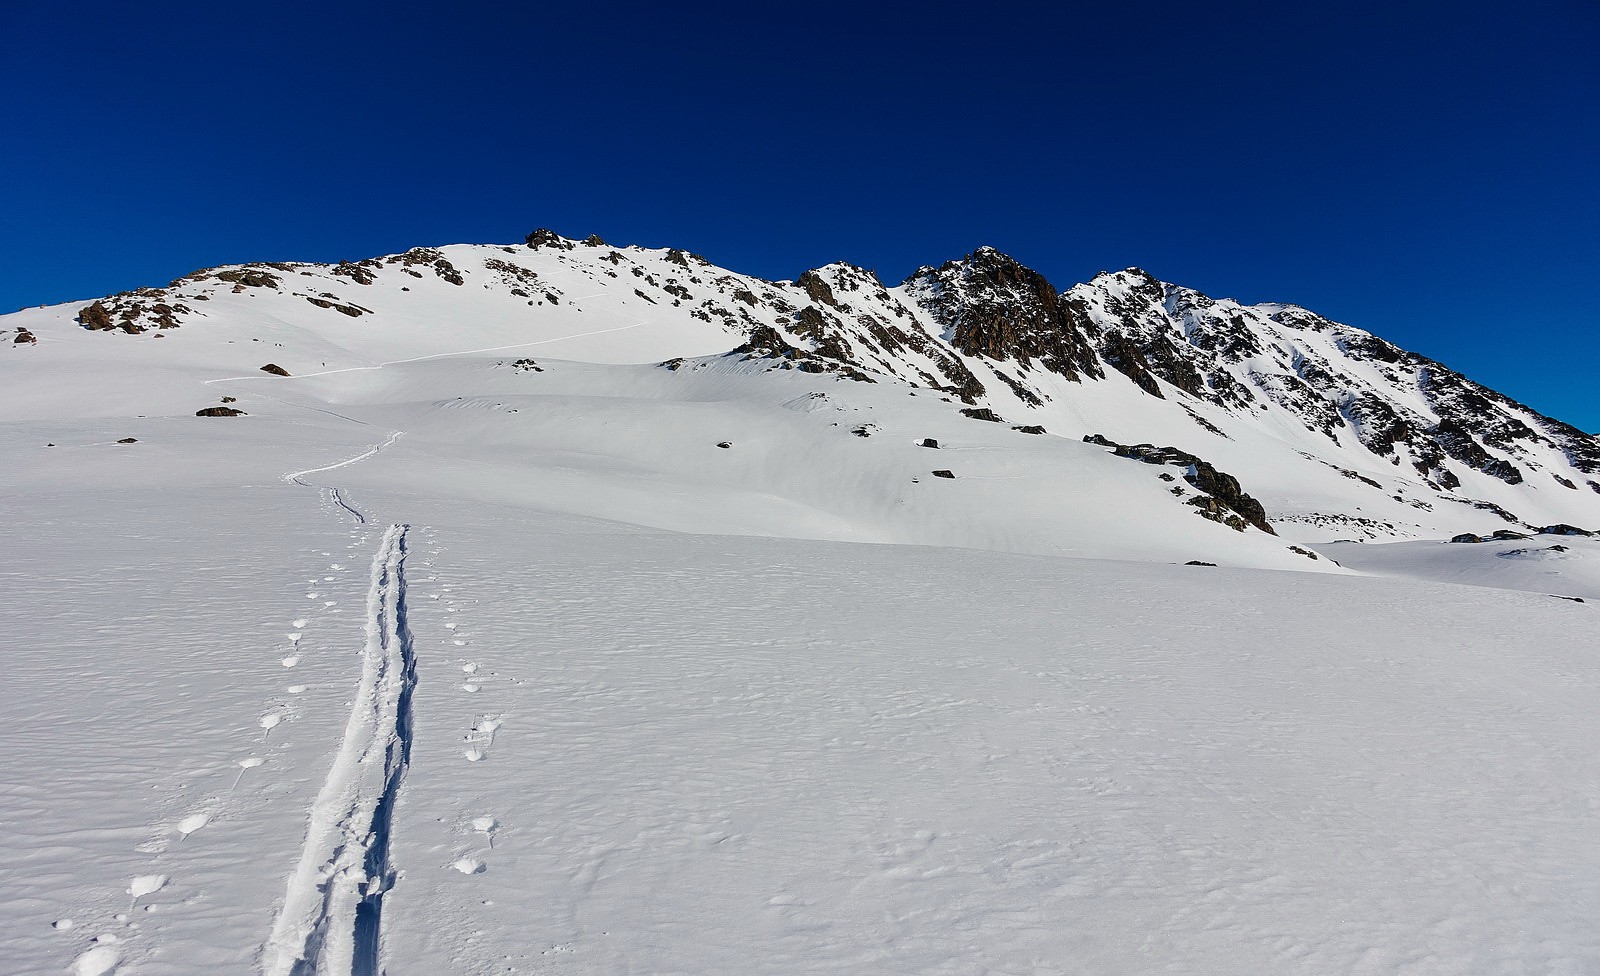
[
  {"x": 334, "y": 494},
  {"x": 331, "y": 920}
]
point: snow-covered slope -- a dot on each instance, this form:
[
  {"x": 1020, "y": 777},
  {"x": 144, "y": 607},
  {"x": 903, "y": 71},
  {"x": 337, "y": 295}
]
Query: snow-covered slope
[
  {"x": 515, "y": 627},
  {"x": 1336, "y": 432}
]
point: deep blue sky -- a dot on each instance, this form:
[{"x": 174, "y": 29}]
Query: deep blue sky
[{"x": 1427, "y": 170}]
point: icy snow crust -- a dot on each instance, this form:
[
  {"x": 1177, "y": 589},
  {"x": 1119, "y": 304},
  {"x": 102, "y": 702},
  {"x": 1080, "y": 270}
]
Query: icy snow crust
[{"x": 618, "y": 699}]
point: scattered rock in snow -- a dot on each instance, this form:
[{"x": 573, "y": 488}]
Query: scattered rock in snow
[
  {"x": 982, "y": 413},
  {"x": 95, "y": 318},
  {"x": 944, "y": 473},
  {"x": 274, "y": 369},
  {"x": 1030, "y": 429},
  {"x": 725, "y": 444},
  {"x": 220, "y": 412},
  {"x": 1198, "y": 562},
  {"x": 128, "y": 440},
  {"x": 353, "y": 311},
  {"x": 929, "y": 442}
]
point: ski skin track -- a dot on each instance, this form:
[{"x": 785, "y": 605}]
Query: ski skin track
[{"x": 330, "y": 921}]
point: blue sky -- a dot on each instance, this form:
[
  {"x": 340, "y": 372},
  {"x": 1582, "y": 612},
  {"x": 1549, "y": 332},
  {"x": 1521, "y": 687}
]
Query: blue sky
[{"x": 1425, "y": 170}]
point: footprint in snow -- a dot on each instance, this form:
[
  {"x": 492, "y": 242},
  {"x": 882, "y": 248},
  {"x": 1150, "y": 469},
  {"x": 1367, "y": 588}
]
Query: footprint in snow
[
  {"x": 245, "y": 765},
  {"x": 299, "y": 624},
  {"x": 99, "y": 961},
  {"x": 192, "y": 823},
  {"x": 474, "y": 754},
  {"x": 470, "y": 668},
  {"x": 459, "y": 643},
  {"x": 470, "y": 688},
  {"x": 270, "y": 721},
  {"x": 469, "y": 865},
  {"x": 145, "y": 884},
  {"x": 296, "y": 689},
  {"x": 486, "y": 826},
  {"x": 291, "y": 660},
  {"x": 450, "y": 625}
]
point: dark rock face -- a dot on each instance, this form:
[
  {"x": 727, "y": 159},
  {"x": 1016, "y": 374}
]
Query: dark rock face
[
  {"x": 930, "y": 442},
  {"x": 1469, "y": 538},
  {"x": 1030, "y": 429},
  {"x": 993, "y": 307},
  {"x": 817, "y": 288},
  {"x": 274, "y": 369},
  {"x": 219, "y": 412},
  {"x": 1564, "y": 529},
  {"x": 129, "y": 440},
  {"x": 1223, "y": 499},
  {"x": 24, "y": 337},
  {"x": 982, "y": 413},
  {"x": 944, "y": 473},
  {"x": 1197, "y": 562}
]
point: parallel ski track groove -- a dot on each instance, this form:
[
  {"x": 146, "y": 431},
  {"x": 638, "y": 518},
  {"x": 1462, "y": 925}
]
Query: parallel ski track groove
[{"x": 330, "y": 923}]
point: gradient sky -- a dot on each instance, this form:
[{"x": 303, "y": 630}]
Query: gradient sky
[{"x": 1429, "y": 171}]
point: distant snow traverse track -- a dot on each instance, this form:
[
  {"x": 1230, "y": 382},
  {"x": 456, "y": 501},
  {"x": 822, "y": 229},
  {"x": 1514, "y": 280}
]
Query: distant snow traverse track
[
  {"x": 334, "y": 495},
  {"x": 331, "y": 921}
]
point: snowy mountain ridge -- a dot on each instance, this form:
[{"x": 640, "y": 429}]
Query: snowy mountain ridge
[{"x": 1316, "y": 418}]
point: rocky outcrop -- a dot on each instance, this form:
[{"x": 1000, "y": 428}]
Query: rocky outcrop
[
  {"x": 1221, "y": 499},
  {"x": 991, "y": 306},
  {"x": 219, "y": 412},
  {"x": 274, "y": 369},
  {"x": 544, "y": 237},
  {"x": 95, "y": 318}
]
